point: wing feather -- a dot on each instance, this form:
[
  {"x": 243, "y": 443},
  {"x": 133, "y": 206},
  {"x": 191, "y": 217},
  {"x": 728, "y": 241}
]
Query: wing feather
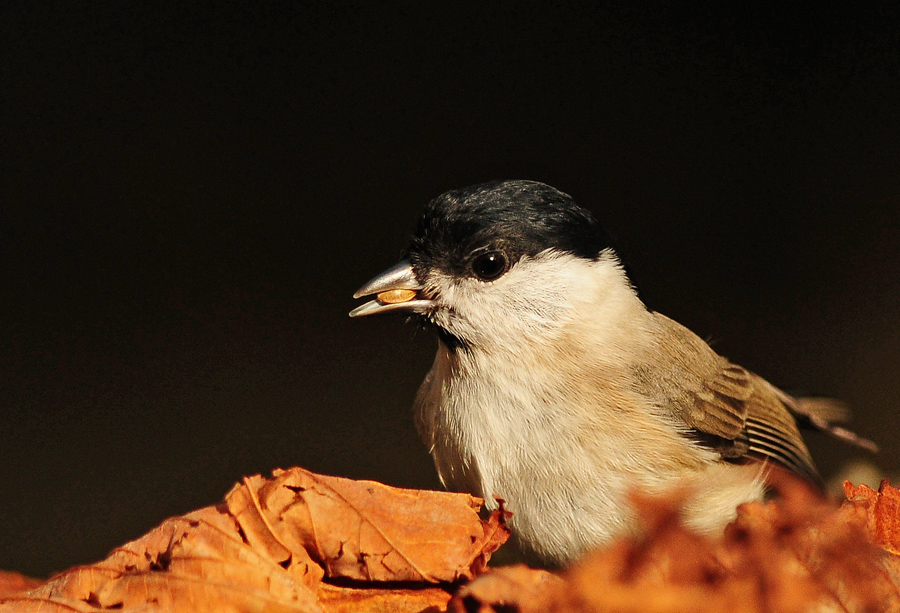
[{"x": 730, "y": 409}]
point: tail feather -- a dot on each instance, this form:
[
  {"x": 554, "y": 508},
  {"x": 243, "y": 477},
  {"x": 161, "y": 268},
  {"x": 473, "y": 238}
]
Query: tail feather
[{"x": 820, "y": 413}]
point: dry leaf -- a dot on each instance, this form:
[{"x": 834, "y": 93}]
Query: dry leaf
[
  {"x": 798, "y": 553},
  {"x": 197, "y": 562},
  {"x": 367, "y": 531},
  {"x": 335, "y": 599},
  {"x": 305, "y": 542},
  {"x": 882, "y": 512},
  {"x": 510, "y": 588},
  {"x": 274, "y": 542},
  {"x": 15, "y": 583}
]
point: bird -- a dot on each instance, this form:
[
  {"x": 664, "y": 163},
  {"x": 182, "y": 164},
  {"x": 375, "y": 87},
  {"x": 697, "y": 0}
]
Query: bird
[{"x": 556, "y": 390}]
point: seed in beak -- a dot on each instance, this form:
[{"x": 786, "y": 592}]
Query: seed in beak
[{"x": 396, "y": 296}]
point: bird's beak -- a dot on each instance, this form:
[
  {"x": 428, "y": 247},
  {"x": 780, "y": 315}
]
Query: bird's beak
[{"x": 396, "y": 289}]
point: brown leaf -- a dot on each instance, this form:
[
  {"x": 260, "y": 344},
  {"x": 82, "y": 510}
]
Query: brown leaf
[
  {"x": 305, "y": 542},
  {"x": 511, "y": 588},
  {"x": 197, "y": 562},
  {"x": 796, "y": 553},
  {"x": 15, "y": 583},
  {"x": 244, "y": 505},
  {"x": 345, "y": 599},
  {"x": 668, "y": 569},
  {"x": 881, "y": 510},
  {"x": 367, "y": 531},
  {"x": 792, "y": 554},
  {"x": 271, "y": 544}
]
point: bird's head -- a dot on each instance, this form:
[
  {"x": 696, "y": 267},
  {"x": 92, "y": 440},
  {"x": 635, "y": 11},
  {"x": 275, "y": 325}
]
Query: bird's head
[{"x": 495, "y": 261}]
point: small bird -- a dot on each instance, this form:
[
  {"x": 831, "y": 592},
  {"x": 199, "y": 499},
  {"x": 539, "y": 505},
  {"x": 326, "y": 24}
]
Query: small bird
[{"x": 555, "y": 389}]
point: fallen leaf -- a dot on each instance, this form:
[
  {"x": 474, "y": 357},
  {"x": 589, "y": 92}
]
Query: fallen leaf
[
  {"x": 274, "y": 544},
  {"x": 197, "y": 562},
  {"x": 509, "y": 588},
  {"x": 347, "y": 599},
  {"x": 798, "y": 553},
  {"x": 882, "y": 512},
  {"x": 15, "y": 583},
  {"x": 305, "y": 542},
  {"x": 367, "y": 531}
]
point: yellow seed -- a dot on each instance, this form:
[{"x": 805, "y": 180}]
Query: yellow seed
[{"x": 395, "y": 296}]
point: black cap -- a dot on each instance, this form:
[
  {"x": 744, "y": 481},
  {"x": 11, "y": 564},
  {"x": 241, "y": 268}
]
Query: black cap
[{"x": 520, "y": 217}]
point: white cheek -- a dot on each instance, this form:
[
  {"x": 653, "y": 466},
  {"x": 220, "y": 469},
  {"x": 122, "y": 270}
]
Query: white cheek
[{"x": 534, "y": 297}]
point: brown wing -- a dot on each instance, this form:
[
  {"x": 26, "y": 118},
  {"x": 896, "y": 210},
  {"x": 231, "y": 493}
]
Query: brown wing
[
  {"x": 772, "y": 431},
  {"x": 731, "y": 409}
]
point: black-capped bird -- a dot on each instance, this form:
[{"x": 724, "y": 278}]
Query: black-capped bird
[{"x": 557, "y": 390}]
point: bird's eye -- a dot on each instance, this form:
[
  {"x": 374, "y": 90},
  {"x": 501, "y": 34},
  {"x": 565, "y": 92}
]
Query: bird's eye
[{"x": 489, "y": 266}]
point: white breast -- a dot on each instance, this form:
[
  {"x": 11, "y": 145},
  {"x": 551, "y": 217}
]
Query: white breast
[{"x": 540, "y": 411}]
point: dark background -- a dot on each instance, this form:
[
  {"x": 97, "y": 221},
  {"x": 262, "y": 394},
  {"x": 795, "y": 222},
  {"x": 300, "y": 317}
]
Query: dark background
[{"x": 191, "y": 194}]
